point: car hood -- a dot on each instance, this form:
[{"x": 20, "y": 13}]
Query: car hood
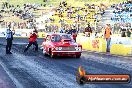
[{"x": 65, "y": 44}]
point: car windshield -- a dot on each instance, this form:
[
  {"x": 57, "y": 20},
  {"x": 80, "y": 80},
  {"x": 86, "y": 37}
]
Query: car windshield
[
  {"x": 66, "y": 37},
  {"x": 57, "y": 38}
]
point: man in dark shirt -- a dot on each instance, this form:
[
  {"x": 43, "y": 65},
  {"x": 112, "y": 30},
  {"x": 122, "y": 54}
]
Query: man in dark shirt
[
  {"x": 74, "y": 33},
  {"x": 123, "y": 31}
]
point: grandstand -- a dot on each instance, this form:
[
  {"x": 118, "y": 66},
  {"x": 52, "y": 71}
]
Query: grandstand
[
  {"x": 82, "y": 12},
  {"x": 122, "y": 15},
  {"x": 93, "y": 16}
]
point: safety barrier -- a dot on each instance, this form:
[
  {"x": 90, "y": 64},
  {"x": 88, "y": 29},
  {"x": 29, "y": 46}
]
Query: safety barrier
[
  {"x": 121, "y": 46},
  {"x": 120, "y": 49},
  {"x": 118, "y": 46},
  {"x": 93, "y": 44}
]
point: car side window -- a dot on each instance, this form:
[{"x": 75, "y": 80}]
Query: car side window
[
  {"x": 55, "y": 38},
  {"x": 48, "y": 38}
]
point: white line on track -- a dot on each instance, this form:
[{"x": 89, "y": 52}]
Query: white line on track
[{"x": 15, "y": 81}]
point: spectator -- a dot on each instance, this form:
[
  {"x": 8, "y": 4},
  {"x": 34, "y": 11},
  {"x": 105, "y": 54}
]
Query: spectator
[
  {"x": 123, "y": 31},
  {"x": 61, "y": 30},
  {"x": 128, "y": 33},
  {"x": 88, "y": 31}
]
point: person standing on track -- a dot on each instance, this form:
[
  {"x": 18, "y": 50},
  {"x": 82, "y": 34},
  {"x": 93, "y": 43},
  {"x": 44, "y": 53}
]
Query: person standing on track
[
  {"x": 9, "y": 37},
  {"x": 107, "y": 36},
  {"x": 33, "y": 40}
]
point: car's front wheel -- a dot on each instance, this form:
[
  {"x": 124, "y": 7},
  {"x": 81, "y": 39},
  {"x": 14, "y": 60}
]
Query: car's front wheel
[
  {"x": 78, "y": 56},
  {"x": 51, "y": 55},
  {"x": 44, "y": 52}
]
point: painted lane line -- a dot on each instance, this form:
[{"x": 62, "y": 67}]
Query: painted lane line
[{"x": 15, "y": 81}]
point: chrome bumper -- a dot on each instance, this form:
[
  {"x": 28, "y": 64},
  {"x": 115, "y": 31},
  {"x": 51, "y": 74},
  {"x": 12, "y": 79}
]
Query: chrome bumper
[{"x": 67, "y": 51}]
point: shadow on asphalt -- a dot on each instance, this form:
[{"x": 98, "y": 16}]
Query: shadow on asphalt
[{"x": 31, "y": 52}]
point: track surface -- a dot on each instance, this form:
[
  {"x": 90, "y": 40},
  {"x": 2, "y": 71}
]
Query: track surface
[{"x": 34, "y": 70}]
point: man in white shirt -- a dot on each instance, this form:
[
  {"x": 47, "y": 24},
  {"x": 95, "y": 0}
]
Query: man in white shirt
[{"x": 9, "y": 38}]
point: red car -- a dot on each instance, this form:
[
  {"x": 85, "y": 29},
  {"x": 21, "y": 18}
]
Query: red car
[{"x": 61, "y": 44}]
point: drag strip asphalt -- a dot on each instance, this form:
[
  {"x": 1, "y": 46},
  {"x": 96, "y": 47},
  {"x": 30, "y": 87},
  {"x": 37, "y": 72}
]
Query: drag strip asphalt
[{"x": 34, "y": 70}]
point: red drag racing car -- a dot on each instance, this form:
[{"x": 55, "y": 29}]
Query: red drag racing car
[{"x": 61, "y": 44}]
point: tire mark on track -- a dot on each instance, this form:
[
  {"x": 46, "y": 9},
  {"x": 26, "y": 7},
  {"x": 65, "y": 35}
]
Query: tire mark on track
[
  {"x": 18, "y": 74},
  {"x": 53, "y": 65},
  {"x": 73, "y": 64}
]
